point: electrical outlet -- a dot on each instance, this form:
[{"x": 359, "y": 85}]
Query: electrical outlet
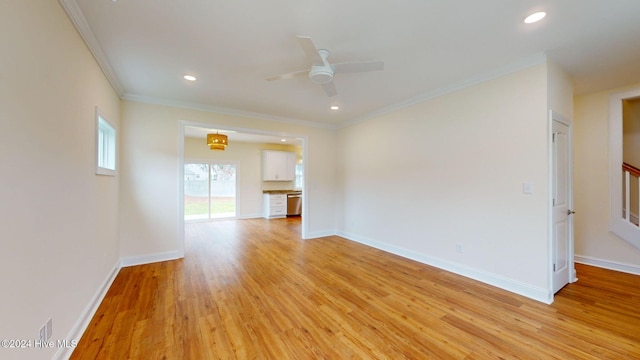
[{"x": 459, "y": 248}]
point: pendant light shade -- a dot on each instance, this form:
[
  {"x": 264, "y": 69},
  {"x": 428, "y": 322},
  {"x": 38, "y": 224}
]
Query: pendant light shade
[{"x": 217, "y": 141}]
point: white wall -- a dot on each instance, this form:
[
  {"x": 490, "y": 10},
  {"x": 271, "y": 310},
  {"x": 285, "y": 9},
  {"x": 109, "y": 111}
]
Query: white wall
[
  {"x": 559, "y": 90},
  {"x": 450, "y": 171},
  {"x": 58, "y": 219},
  {"x": 149, "y": 191},
  {"x": 594, "y": 242},
  {"x": 248, "y": 156}
]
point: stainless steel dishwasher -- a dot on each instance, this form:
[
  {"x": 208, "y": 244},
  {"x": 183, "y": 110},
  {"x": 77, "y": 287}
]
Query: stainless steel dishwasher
[{"x": 294, "y": 203}]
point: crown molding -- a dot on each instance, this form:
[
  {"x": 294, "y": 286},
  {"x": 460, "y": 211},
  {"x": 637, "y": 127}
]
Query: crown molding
[
  {"x": 80, "y": 22},
  {"x": 522, "y": 64},
  {"x": 226, "y": 111},
  {"x": 77, "y": 18}
]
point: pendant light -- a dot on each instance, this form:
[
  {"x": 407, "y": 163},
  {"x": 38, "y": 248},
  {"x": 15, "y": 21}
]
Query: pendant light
[{"x": 217, "y": 141}]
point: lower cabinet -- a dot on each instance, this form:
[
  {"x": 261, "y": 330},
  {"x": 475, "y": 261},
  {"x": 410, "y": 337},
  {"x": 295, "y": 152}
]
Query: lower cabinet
[{"x": 275, "y": 206}]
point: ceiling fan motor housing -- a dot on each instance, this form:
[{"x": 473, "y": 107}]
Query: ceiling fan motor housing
[{"x": 322, "y": 74}]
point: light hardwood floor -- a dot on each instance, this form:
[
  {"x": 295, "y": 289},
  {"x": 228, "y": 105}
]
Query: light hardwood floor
[{"x": 251, "y": 289}]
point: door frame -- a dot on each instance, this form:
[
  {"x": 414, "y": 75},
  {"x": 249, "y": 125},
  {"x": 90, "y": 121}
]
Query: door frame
[
  {"x": 616, "y": 224},
  {"x": 556, "y": 116}
]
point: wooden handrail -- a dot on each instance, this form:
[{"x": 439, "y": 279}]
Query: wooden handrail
[{"x": 631, "y": 169}]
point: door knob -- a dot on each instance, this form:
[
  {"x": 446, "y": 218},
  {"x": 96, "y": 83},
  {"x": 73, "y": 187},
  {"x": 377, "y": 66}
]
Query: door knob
[{"x": 570, "y": 212}]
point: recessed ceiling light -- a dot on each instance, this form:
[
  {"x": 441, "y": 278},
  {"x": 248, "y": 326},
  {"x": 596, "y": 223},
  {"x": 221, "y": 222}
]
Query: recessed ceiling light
[
  {"x": 190, "y": 77},
  {"x": 283, "y": 140},
  {"x": 335, "y": 107},
  {"x": 535, "y": 17}
]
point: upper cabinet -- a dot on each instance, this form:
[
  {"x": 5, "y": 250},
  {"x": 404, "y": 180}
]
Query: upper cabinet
[{"x": 278, "y": 165}]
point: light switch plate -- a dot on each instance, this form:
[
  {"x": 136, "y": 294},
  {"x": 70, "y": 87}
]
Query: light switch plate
[{"x": 527, "y": 188}]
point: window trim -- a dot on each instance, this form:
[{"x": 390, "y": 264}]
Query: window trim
[{"x": 102, "y": 121}]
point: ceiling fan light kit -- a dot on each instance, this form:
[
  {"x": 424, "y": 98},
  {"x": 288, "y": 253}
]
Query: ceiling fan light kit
[
  {"x": 320, "y": 75},
  {"x": 322, "y": 72}
]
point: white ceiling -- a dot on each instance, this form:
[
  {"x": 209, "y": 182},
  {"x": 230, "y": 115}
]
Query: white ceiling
[{"x": 428, "y": 47}]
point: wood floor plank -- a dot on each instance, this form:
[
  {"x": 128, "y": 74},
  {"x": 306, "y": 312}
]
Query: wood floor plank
[{"x": 252, "y": 289}]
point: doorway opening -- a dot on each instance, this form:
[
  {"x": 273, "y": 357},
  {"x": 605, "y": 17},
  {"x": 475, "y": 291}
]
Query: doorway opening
[
  {"x": 249, "y": 184},
  {"x": 624, "y": 140},
  {"x": 631, "y": 160}
]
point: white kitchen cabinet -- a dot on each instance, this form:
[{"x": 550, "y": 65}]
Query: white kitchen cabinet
[
  {"x": 278, "y": 165},
  {"x": 275, "y": 206}
]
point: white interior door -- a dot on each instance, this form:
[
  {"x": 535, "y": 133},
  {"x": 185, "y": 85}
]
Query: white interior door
[{"x": 562, "y": 213}]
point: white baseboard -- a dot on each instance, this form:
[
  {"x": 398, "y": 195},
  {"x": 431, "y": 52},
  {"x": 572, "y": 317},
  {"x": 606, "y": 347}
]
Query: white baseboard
[
  {"x": 319, "y": 234},
  {"x": 607, "y": 264},
  {"x": 532, "y": 292},
  {"x": 520, "y": 288},
  {"x": 151, "y": 258},
  {"x": 85, "y": 317}
]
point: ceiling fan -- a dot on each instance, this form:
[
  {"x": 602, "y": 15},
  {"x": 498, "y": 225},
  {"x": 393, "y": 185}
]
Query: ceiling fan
[{"x": 322, "y": 71}]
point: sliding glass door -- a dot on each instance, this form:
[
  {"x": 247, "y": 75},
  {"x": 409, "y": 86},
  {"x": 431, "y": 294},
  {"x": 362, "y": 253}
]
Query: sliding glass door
[
  {"x": 209, "y": 191},
  {"x": 223, "y": 190}
]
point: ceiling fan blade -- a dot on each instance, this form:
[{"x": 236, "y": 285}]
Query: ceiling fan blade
[
  {"x": 309, "y": 49},
  {"x": 287, "y": 76},
  {"x": 354, "y": 67},
  {"x": 330, "y": 89}
]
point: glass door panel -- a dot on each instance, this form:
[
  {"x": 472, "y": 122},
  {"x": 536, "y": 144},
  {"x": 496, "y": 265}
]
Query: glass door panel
[
  {"x": 223, "y": 190},
  {"x": 209, "y": 191},
  {"x": 196, "y": 191}
]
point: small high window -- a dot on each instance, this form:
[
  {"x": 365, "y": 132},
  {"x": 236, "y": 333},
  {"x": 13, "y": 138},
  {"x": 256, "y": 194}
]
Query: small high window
[
  {"x": 105, "y": 146},
  {"x": 299, "y": 176}
]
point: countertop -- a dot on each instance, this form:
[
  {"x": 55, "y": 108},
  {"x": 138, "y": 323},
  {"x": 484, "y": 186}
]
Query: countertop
[{"x": 281, "y": 192}]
